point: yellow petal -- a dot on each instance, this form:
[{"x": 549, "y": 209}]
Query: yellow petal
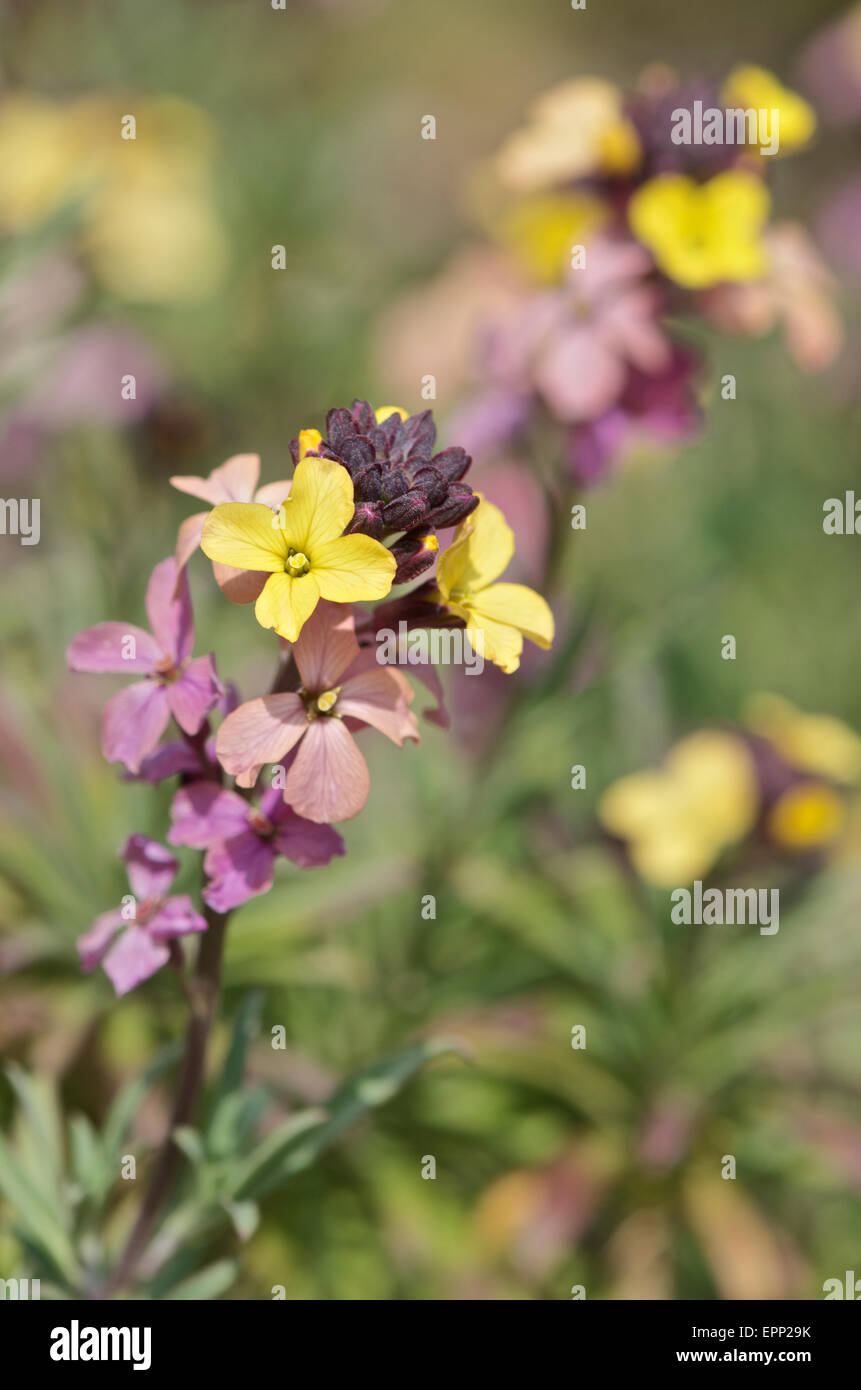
[
  {"x": 286, "y": 603},
  {"x": 715, "y": 777},
  {"x": 482, "y": 547},
  {"x": 319, "y": 506},
  {"x": 245, "y": 535},
  {"x": 496, "y": 642},
  {"x": 635, "y": 804},
  {"x": 353, "y": 568},
  {"x": 382, "y": 413},
  {"x": 516, "y": 606},
  {"x": 806, "y": 816}
]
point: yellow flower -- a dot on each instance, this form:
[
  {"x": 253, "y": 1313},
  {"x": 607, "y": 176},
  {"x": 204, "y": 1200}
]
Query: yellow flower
[
  {"x": 753, "y": 88},
  {"x": 701, "y": 234},
  {"x": 678, "y": 819},
  {"x": 576, "y": 129},
  {"x": 302, "y": 548},
  {"x": 38, "y": 159},
  {"x": 540, "y": 232},
  {"x": 383, "y": 412},
  {"x": 497, "y": 616},
  {"x": 806, "y": 817},
  {"x": 811, "y": 742}
]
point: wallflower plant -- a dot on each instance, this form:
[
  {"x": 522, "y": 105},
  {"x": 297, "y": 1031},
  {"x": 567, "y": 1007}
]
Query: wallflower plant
[{"x": 362, "y": 512}]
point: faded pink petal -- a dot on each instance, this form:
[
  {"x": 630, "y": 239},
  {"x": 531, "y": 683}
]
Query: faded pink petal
[
  {"x": 240, "y": 586},
  {"x": 151, "y": 868},
  {"x": 578, "y": 375},
  {"x": 95, "y": 942},
  {"x": 203, "y": 813},
  {"x": 233, "y": 481},
  {"x": 273, "y": 494},
  {"x": 629, "y": 324},
  {"x": 168, "y": 606},
  {"x": 329, "y": 781},
  {"x": 133, "y": 721},
  {"x": 188, "y": 538},
  {"x": 193, "y": 694},
  {"x": 326, "y": 646},
  {"x": 305, "y": 842},
  {"x": 260, "y": 731},
  {"x": 238, "y": 869},
  {"x": 177, "y": 917},
  {"x": 134, "y": 959},
  {"x": 381, "y": 698},
  {"x": 101, "y": 648}
]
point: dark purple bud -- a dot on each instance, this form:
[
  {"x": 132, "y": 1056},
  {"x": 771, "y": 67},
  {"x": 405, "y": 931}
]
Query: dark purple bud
[
  {"x": 363, "y": 415},
  {"x": 420, "y": 434},
  {"x": 433, "y": 483},
  {"x": 367, "y": 520},
  {"x": 339, "y": 426},
  {"x": 406, "y": 511},
  {"x": 356, "y": 453},
  {"x": 395, "y": 484},
  {"x": 294, "y": 451},
  {"x": 367, "y": 485},
  {"x": 413, "y": 565},
  {"x": 461, "y": 501},
  {"x": 452, "y": 463}
]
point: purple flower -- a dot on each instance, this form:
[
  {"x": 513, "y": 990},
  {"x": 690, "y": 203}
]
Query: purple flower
[
  {"x": 134, "y": 721},
  {"x": 655, "y": 410},
  {"x": 242, "y": 843},
  {"x": 151, "y": 919}
]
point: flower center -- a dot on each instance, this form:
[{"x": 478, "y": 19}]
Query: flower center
[
  {"x": 260, "y": 824},
  {"x": 297, "y": 563},
  {"x": 325, "y": 703}
]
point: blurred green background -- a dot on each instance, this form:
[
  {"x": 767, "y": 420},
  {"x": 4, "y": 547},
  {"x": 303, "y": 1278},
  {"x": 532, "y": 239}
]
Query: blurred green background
[{"x": 554, "y": 1167}]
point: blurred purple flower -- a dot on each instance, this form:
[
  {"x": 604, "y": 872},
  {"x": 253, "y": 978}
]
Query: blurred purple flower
[
  {"x": 654, "y": 410},
  {"x": 152, "y": 921}
]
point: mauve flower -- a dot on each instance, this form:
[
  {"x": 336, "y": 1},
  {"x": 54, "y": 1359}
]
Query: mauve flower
[
  {"x": 329, "y": 779},
  {"x": 574, "y": 346},
  {"x": 654, "y": 411},
  {"x": 174, "y": 684},
  {"x": 179, "y": 758},
  {"x": 243, "y": 843},
  {"x": 233, "y": 481},
  {"x": 156, "y": 919}
]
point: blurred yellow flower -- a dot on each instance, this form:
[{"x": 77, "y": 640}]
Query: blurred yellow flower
[
  {"x": 701, "y": 234},
  {"x": 540, "y": 232},
  {"x": 754, "y": 88},
  {"x": 576, "y": 129},
  {"x": 678, "y": 819},
  {"x": 810, "y": 742},
  {"x": 383, "y": 412},
  {"x": 38, "y": 159},
  {"x": 807, "y": 816},
  {"x": 497, "y": 616},
  {"x": 147, "y": 217}
]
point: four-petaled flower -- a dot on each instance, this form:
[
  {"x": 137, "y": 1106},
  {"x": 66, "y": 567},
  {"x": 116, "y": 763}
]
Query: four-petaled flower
[
  {"x": 134, "y": 720},
  {"x": 497, "y": 616},
  {"x": 242, "y": 843},
  {"x": 302, "y": 549},
  {"x": 152, "y": 920},
  {"x": 701, "y": 234},
  {"x": 329, "y": 780},
  {"x": 233, "y": 481}
]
